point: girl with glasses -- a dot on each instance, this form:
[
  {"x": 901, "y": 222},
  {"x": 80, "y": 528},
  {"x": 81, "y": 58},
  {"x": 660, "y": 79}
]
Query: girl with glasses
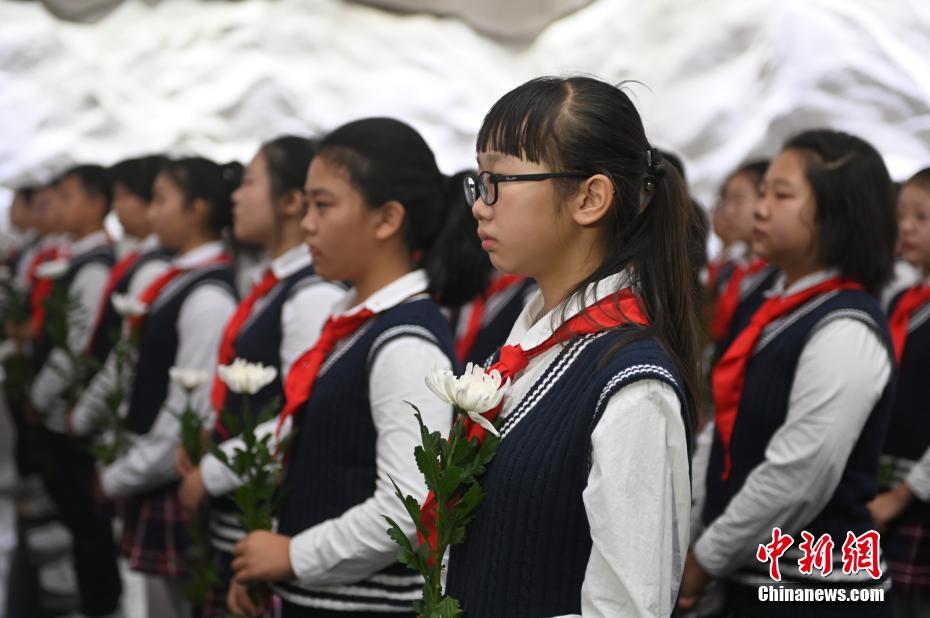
[{"x": 587, "y": 500}]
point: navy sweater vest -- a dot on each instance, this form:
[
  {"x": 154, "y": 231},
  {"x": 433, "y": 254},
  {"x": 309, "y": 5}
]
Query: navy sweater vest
[
  {"x": 159, "y": 344},
  {"x": 527, "y": 549},
  {"x": 764, "y": 406},
  {"x": 909, "y": 430},
  {"x": 108, "y": 330},
  {"x": 332, "y": 463},
  {"x": 98, "y": 255},
  {"x": 259, "y": 340},
  {"x": 749, "y": 303}
]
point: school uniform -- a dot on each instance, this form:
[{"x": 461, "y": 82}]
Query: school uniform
[
  {"x": 70, "y": 468},
  {"x": 354, "y": 436},
  {"x": 906, "y": 453},
  {"x": 141, "y": 263},
  {"x": 722, "y": 267},
  {"x": 482, "y": 325},
  {"x": 587, "y": 496},
  {"x": 799, "y": 447},
  {"x": 187, "y": 307},
  {"x": 751, "y": 292},
  {"x": 275, "y": 323}
]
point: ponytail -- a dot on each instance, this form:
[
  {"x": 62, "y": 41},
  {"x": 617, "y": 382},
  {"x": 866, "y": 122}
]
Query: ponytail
[
  {"x": 200, "y": 178},
  {"x": 458, "y": 268}
]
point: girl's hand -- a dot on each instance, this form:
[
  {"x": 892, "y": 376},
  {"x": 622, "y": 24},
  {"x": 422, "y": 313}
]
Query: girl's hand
[
  {"x": 239, "y": 602},
  {"x": 192, "y": 492},
  {"x": 694, "y": 582},
  {"x": 888, "y": 505},
  {"x": 182, "y": 463},
  {"x": 263, "y": 556}
]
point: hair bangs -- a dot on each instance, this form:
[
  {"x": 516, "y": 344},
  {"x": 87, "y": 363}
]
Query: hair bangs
[{"x": 523, "y": 123}]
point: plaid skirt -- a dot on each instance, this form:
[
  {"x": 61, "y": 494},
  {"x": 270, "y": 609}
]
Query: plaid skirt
[
  {"x": 155, "y": 537},
  {"x": 907, "y": 549}
]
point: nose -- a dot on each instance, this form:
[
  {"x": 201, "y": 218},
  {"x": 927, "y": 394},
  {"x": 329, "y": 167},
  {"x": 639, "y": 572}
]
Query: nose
[
  {"x": 762, "y": 209},
  {"x": 481, "y": 211},
  {"x": 308, "y": 223}
]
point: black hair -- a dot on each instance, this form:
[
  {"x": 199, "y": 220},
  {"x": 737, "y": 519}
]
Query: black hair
[
  {"x": 581, "y": 124},
  {"x": 387, "y": 160},
  {"x": 921, "y": 178},
  {"x": 855, "y": 205},
  {"x": 755, "y": 169},
  {"x": 27, "y": 192},
  {"x": 288, "y": 158},
  {"x": 138, "y": 174},
  {"x": 675, "y": 161},
  {"x": 200, "y": 178},
  {"x": 94, "y": 179}
]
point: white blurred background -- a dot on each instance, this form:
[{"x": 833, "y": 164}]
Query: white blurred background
[{"x": 721, "y": 80}]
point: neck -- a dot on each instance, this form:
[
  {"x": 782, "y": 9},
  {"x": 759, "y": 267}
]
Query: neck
[
  {"x": 87, "y": 231},
  {"x": 793, "y": 274},
  {"x": 288, "y": 236},
  {"x": 284, "y": 243},
  {"x": 193, "y": 243},
  {"x": 567, "y": 272},
  {"x": 381, "y": 273}
]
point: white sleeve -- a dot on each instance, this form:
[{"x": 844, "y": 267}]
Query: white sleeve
[
  {"x": 217, "y": 478},
  {"x": 149, "y": 462},
  {"x": 145, "y": 275},
  {"x": 93, "y": 402},
  {"x": 54, "y": 377},
  {"x": 841, "y": 374},
  {"x": 699, "y": 463},
  {"x": 302, "y": 319},
  {"x": 354, "y": 545},
  {"x": 918, "y": 479},
  {"x": 638, "y": 502}
]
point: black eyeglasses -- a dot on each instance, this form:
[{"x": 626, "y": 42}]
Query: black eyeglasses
[{"x": 484, "y": 185}]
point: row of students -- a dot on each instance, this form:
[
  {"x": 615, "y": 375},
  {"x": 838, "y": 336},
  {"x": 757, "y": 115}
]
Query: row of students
[
  {"x": 376, "y": 201},
  {"x": 805, "y": 391},
  {"x": 576, "y": 198}
]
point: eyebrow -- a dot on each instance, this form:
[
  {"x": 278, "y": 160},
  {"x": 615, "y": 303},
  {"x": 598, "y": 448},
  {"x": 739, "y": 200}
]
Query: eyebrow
[{"x": 317, "y": 192}]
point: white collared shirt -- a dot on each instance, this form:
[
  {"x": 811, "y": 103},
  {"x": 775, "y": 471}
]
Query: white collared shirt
[
  {"x": 149, "y": 462},
  {"x": 303, "y": 314},
  {"x": 840, "y": 376},
  {"x": 50, "y": 384},
  {"x": 353, "y": 546},
  {"x": 638, "y": 493}
]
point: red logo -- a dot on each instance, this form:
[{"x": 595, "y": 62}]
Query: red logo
[
  {"x": 860, "y": 553},
  {"x": 771, "y": 552}
]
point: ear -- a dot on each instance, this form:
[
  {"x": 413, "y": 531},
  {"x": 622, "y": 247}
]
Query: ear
[
  {"x": 200, "y": 211},
  {"x": 291, "y": 205},
  {"x": 389, "y": 219},
  {"x": 592, "y": 201}
]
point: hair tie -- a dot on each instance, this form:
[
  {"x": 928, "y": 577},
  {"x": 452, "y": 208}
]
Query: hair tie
[{"x": 655, "y": 163}]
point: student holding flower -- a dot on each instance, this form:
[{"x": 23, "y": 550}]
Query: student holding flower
[
  {"x": 273, "y": 325},
  {"x": 186, "y": 307},
  {"x": 377, "y": 205}
]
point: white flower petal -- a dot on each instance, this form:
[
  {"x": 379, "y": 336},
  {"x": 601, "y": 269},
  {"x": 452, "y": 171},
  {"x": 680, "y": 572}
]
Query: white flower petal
[
  {"x": 437, "y": 380},
  {"x": 246, "y": 378},
  {"x": 488, "y": 425}
]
